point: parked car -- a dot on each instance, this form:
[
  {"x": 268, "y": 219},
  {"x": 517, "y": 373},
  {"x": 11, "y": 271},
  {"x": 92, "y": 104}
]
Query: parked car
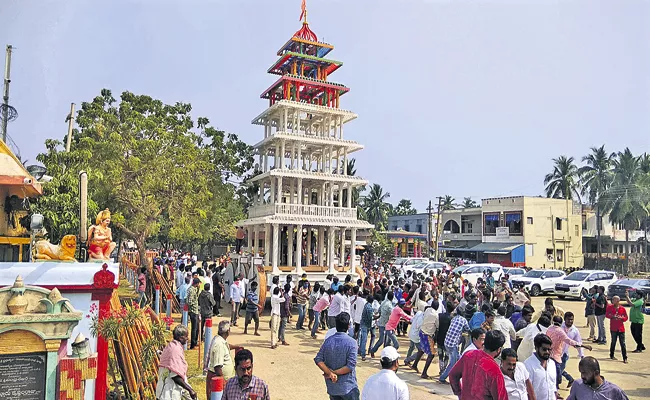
[
  {"x": 407, "y": 262},
  {"x": 577, "y": 283},
  {"x": 539, "y": 281},
  {"x": 514, "y": 273},
  {"x": 461, "y": 268},
  {"x": 476, "y": 271},
  {"x": 619, "y": 287}
]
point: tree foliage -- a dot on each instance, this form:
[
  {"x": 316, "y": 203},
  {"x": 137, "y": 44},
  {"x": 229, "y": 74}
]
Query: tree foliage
[
  {"x": 376, "y": 207},
  {"x": 404, "y": 207},
  {"x": 562, "y": 183},
  {"x": 159, "y": 177}
]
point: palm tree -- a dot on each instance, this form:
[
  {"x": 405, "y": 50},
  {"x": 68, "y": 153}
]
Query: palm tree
[
  {"x": 595, "y": 178},
  {"x": 644, "y": 163},
  {"x": 562, "y": 182},
  {"x": 468, "y": 203},
  {"x": 626, "y": 199},
  {"x": 352, "y": 171},
  {"x": 448, "y": 203},
  {"x": 375, "y": 206}
]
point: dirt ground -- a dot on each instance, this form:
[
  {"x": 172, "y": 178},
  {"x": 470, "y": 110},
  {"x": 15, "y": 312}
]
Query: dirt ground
[{"x": 291, "y": 373}]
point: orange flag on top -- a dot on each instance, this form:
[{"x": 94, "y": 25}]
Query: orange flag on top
[{"x": 303, "y": 9}]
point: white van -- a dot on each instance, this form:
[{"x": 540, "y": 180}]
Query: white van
[
  {"x": 577, "y": 283},
  {"x": 476, "y": 271}
]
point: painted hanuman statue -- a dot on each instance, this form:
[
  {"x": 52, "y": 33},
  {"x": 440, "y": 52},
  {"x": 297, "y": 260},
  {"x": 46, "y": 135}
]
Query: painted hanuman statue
[{"x": 100, "y": 238}]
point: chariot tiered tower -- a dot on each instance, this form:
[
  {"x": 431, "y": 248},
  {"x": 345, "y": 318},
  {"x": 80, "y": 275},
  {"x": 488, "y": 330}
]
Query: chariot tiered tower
[{"x": 303, "y": 207}]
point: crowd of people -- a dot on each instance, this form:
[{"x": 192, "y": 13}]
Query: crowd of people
[{"x": 488, "y": 334}]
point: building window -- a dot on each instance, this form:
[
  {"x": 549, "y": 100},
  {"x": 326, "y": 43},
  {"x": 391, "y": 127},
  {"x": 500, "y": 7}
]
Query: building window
[
  {"x": 529, "y": 220},
  {"x": 418, "y": 229},
  {"x": 560, "y": 254},
  {"x": 407, "y": 228},
  {"x": 451, "y": 226},
  {"x": 577, "y": 231},
  {"x": 491, "y": 223},
  {"x": 558, "y": 224},
  {"x": 530, "y": 250},
  {"x": 513, "y": 222},
  {"x": 466, "y": 225},
  {"x": 599, "y": 226},
  {"x": 584, "y": 221},
  {"x": 394, "y": 228},
  {"x": 549, "y": 254}
]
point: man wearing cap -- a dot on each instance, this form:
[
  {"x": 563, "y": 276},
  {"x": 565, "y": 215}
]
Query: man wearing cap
[
  {"x": 385, "y": 384},
  {"x": 193, "y": 309}
]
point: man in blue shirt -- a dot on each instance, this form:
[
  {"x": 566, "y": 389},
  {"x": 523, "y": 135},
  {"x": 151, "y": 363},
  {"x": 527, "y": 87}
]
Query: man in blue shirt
[{"x": 337, "y": 358}]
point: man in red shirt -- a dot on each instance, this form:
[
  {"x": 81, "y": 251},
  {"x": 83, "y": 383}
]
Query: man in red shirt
[
  {"x": 617, "y": 316},
  {"x": 480, "y": 372}
]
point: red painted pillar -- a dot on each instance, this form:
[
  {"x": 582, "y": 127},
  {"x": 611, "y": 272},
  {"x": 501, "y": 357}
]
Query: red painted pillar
[{"x": 103, "y": 286}]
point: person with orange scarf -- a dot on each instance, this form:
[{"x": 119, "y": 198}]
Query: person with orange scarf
[{"x": 172, "y": 371}]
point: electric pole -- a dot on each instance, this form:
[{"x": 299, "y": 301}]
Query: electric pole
[
  {"x": 429, "y": 228},
  {"x": 5, "y": 93},
  {"x": 438, "y": 226},
  {"x": 70, "y": 126}
]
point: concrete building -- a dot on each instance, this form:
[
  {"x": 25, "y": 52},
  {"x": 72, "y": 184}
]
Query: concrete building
[
  {"x": 416, "y": 223},
  {"x": 16, "y": 185},
  {"x": 533, "y": 231},
  {"x": 612, "y": 236}
]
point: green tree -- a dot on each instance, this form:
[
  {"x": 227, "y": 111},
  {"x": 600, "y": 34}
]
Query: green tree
[
  {"x": 626, "y": 200},
  {"x": 376, "y": 207},
  {"x": 379, "y": 245},
  {"x": 356, "y": 192},
  {"x": 404, "y": 207},
  {"x": 562, "y": 183},
  {"x": 448, "y": 203},
  {"x": 468, "y": 203},
  {"x": 595, "y": 179},
  {"x": 160, "y": 178},
  {"x": 59, "y": 204}
]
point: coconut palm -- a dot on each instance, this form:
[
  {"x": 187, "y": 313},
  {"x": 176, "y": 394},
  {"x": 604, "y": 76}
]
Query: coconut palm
[
  {"x": 352, "y": 171},
  {"x": 468, "y": 203},
  {"x": 376, "y": 207},
  {"x": 448, "y": 203},
  {"x": 627, "y": 199},
  {"x": 595, "y": 178},
  {"x": 562, "y": 183}
]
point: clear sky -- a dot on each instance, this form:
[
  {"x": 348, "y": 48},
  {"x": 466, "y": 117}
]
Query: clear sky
[{"x": 468, "y": 98}]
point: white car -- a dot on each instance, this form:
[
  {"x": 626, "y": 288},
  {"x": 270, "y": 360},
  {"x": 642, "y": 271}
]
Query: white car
[
  {"x": 577, "y": 283},
  {"x": 514, "y": 273},
  {"x": 408, "y": 262},
  {"x": 425, "y": 267},
  {"x": 539, "y": 281},
  {"x": 476, "y": 271}
]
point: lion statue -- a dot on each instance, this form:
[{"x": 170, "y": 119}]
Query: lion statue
[{"x": 64, "y": 251}]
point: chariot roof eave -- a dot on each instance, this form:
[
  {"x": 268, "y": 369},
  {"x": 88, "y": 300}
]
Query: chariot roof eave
[
  {"x": 307, "y": 107},
  {"x": 310, "y": 175},
  {"x": 306, "y": 221},
  {"x": 323, "y": 48},
  {"x": 351, "y": 145}
]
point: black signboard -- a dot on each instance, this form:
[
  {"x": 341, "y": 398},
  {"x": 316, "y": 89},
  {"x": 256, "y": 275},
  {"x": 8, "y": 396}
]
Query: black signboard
[{"x": 22, "y": 376}]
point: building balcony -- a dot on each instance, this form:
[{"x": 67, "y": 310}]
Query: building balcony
[
  {"x": 302, "y": 210},
  {"x": 308, "y": 176}
]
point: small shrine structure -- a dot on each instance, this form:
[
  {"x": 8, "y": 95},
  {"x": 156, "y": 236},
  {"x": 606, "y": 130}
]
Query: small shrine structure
[
  {"x": 62, "y": 297},
  {"x": 303, "y": 202}
]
